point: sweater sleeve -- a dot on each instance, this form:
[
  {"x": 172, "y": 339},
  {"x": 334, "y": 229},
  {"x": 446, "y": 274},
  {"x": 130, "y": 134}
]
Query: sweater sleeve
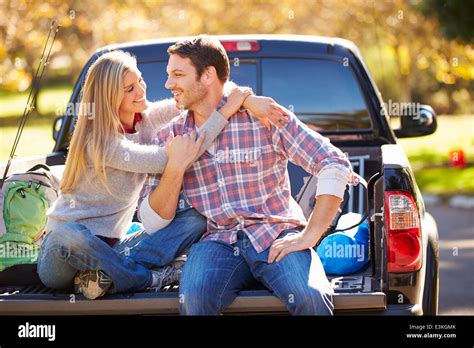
[
  {"x": 213, "y": 126},
  {"x": 129, "y": 156},
  {"x": 162, "y": 112}
]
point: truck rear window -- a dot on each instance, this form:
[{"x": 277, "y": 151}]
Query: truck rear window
[{"x": 324, "y": 94}]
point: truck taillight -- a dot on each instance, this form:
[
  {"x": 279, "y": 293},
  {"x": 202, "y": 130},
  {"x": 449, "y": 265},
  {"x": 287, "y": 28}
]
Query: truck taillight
[
  {"x": 241, "y": 46},
  {"x": 402, "y": 222}
]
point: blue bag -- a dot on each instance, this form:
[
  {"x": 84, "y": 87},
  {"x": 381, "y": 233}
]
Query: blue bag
[
  {"x": 134, "y": 228},
  {"x": 346, "y": 252}
]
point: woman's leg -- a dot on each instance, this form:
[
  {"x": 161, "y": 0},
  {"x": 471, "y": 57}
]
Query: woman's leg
[
  {"x": 71, "y": 248},
  {"x": 53, "y": 269},
  {"x": 161, "y": 247}
]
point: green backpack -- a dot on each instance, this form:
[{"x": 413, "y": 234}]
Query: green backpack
[{"x": 24, "y": 201}]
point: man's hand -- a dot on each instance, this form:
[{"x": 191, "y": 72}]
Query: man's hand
[
  {"x": 290, "y": 243},
  {"x": 267, "y": 111},
  {"x": 321, "y": 217}
]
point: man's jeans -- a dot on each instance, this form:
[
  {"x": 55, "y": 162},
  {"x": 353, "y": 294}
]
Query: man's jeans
[
  {"x": 215, "y": 272},
  {"x": 73, "y": 248}
]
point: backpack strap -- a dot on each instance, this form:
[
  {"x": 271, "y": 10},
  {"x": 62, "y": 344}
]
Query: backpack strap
[
  {"x": 3, "y": 191},
  {"x": 39, "y": 166},
  {"x": 45, "y": 170}
]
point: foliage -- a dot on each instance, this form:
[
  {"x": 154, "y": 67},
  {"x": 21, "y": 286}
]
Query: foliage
[
  {"x": 404, "y": 48},
  {"x": 455, "y": 17}
]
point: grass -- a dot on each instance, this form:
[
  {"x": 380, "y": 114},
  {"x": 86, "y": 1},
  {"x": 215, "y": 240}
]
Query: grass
[
  {"x": 446, "y": 181},
  {"x": 36, "y": 138},
  {"x": 429, "y": 155},
  {"x": 51, "y": 100},
  {"x": 454, "y": 132}
]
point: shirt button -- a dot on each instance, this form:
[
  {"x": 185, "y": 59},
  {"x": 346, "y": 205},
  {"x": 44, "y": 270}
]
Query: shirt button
[{"x": 221, "y": 182}]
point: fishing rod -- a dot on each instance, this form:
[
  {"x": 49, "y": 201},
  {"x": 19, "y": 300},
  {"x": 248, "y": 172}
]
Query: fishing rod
[{"x": 34, "y": 90}]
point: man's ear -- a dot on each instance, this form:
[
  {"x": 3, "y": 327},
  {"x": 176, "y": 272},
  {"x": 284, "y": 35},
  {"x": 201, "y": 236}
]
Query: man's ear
[{"x": 209, "y": 75}]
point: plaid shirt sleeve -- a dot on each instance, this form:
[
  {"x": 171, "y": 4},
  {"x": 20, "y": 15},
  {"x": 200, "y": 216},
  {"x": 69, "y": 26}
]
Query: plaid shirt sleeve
[{"x": 315, "y": 153}]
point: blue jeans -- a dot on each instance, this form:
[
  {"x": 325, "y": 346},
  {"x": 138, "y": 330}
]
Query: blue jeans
[
  {"x": 72, "y": 248},
  {"x": 215, "y": 272}
]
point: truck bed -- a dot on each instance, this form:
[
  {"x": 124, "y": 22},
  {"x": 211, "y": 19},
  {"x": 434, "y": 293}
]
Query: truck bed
[{"x": 352, "y": 293}]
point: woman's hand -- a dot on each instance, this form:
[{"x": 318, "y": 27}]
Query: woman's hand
[
  {"x": 235, "y": 99},
  {"x": 267, "y": 111},
  {"x": 182, "y": 150}
]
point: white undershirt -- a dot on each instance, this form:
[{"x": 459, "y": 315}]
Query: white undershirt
[{"x": 151, "y": 220}]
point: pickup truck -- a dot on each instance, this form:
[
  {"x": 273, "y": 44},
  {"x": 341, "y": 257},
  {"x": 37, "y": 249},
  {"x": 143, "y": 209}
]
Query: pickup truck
[{"x": 328, "y": 86}]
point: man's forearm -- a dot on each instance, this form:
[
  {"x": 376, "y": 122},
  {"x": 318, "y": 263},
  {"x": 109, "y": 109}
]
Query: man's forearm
[
  {"x": 323, "y": 214},
  {"x": 164, "y": 198}
]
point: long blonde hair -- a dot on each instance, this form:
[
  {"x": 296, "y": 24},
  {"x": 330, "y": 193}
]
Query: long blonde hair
[{"x": 95, "y": 131}]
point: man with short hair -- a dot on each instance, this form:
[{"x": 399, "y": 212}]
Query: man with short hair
[{"x": 255, "y": 229}]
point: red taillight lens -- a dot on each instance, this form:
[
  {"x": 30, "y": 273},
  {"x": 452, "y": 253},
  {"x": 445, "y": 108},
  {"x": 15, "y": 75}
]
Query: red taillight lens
[
  {"x": 402, "y": 222},
  {"x": 241, "y": 46}
]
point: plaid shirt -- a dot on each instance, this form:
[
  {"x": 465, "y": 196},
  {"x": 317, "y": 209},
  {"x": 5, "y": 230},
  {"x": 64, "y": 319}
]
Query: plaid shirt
[{"x": 245, "y": 184}]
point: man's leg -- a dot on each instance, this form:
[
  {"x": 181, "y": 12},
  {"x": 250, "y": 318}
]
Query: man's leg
[
  {"x": 72, "y": 248},
  {"x": 161, "y": 247},
  {"x": 298, "y": 280},
  {"x": 212, "y": 276}
]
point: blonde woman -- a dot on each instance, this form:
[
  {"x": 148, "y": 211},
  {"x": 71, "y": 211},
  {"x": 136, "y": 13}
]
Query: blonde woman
[{"x": 110, "y": 155}]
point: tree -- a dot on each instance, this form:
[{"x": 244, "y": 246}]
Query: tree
[
  {"x": 405, "y": 50},
  {"x": 455, "y": 17}
]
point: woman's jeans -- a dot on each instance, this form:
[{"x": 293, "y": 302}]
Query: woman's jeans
[{"x": 72, "y": 248}]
